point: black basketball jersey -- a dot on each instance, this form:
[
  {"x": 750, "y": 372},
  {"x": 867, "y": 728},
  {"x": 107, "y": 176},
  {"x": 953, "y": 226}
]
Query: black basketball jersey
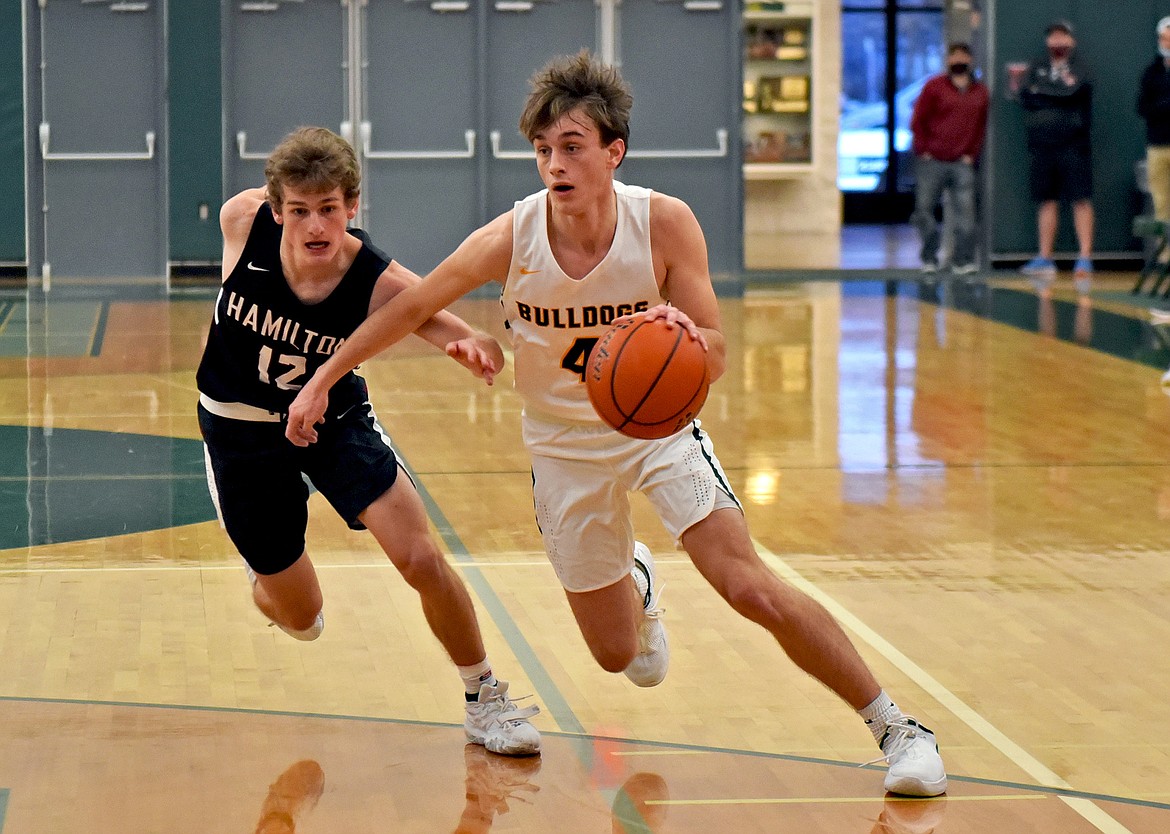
[{"x": 265, "y": 343}]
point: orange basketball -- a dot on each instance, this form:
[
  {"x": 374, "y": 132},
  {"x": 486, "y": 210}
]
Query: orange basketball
[{"x": 646, "y": 379}]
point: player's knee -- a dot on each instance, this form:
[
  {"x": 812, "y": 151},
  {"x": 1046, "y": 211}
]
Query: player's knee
[
  {"x": 422, "y": 566},
  {"x": 754, "y": 599},
  {"x": 614, "y": 656}
]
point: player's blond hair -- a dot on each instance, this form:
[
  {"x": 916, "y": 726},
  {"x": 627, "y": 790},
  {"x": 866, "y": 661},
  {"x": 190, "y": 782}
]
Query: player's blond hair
[
  {"x": 314, "y": 160},
  {"x": 579, "y": 81}
]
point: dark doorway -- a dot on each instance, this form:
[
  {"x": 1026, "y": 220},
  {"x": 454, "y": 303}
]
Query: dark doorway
[{"x": 889, "y": 50}]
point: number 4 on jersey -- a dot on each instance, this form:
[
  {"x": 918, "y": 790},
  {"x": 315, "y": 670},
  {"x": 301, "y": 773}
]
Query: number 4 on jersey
[{"x": 577, "y": 356}]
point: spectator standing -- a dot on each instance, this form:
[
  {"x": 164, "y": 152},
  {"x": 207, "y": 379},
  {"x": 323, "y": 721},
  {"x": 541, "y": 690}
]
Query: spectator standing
[
  {"x": 1154, "y": 106},
  {"x": 1057, "y": 96},
  {"x": 949, "y": 124}
]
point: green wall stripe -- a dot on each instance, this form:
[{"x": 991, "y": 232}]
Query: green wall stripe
[
  {"x": 12, "y": 246},
  {"x": 195, "y": 130},
  {"x": 1115, "y": 49}
]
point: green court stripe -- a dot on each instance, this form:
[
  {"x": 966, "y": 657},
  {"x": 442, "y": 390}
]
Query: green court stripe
[
  {"x": 3, "y": 806},
  {"x": 1112, "y": 333},
  {"x": 99, "y": 330},
  {"x": 661, "y": 745},
  {"x": 546, "y": 689},
  {"x": 549, "y": 694}
]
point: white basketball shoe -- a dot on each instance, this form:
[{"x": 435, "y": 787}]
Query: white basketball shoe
[
  {"x": 648, "y": 668},
  {"x": 499, "y": 725},
  {"x": 307, "y": 635},
  {"x": 916, "y": 768}
]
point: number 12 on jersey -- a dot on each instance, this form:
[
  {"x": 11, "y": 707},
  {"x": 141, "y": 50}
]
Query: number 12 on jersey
[{"x": 287, "y": 381}]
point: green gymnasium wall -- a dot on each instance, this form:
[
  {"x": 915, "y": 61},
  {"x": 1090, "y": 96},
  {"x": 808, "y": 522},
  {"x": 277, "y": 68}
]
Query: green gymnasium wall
[
  {"x": 196, "y": 173},
  {"x": 1116, "y": 40},
  {"x": 11, "y": 135}
]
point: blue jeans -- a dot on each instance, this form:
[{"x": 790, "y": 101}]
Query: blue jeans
[{"x": 935, "y": 176}]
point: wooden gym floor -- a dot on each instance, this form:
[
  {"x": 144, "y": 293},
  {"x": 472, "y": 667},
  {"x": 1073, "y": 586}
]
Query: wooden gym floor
[{"x": 975, "y": 483}]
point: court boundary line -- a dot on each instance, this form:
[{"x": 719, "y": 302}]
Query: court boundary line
[
  {"x": 683, "y": 747},
  {"x": 384, "y": 564},
  {"x": 1016, "y": 754},
  {"x": 1079, "y": 801}
]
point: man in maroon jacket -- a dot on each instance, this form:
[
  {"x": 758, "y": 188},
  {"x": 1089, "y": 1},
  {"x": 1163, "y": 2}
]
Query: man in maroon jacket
[{"x": 949, "y": 123}]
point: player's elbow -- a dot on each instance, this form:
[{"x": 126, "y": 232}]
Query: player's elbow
[
  {"x": 716, "y": 355},
  {"x": 716, "y": 365}
]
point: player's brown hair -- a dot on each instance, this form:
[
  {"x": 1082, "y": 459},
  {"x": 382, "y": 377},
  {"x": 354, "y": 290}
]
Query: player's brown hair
[
  {"x": 573, "y": 81},
  {"x": 315, "y": 160}
]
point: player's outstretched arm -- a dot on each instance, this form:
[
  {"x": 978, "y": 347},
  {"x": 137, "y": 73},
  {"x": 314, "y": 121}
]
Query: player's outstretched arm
[
  {"x": 485, "y": 255},
  {"x": 471, "y": 348}
]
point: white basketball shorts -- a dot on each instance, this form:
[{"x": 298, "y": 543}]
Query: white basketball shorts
[{"x": 582, "y": 475}]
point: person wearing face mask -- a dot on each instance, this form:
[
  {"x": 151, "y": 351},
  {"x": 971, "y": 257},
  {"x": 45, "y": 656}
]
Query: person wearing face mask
[
  {"x": 949, "y": 124},
  {"x": 1057, "y": 97}
]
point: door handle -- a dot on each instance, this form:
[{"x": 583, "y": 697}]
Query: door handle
[
  {"x": 367, "y": 131},
  {"x": 719, "y": 150},
  {"x": 242, "y": 144},
  {"x": 93, "y": 157},
  {"x": 497, "y": 153}
]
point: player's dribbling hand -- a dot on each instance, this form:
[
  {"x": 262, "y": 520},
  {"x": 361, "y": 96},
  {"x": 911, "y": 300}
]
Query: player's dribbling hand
[
  {"x": 306, "y": 411},
  {"x": 673, "y": 315},
  {"x": 480, "y": 354}
]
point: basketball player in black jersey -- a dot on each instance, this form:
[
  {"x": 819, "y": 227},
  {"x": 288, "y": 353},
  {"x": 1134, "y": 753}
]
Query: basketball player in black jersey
[{"x": 296, "y": 283}]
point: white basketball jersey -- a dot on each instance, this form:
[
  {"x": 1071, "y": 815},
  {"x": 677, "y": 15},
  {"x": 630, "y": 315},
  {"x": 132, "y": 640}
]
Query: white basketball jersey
[{"x": 554, "y": 320}]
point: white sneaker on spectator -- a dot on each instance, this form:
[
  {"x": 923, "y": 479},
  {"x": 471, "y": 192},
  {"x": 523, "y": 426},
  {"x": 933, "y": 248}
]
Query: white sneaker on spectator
[{"x": 1160, "y": 311}]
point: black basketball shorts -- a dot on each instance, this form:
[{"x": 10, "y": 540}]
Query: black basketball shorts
[{"x": 254, "y": 475}]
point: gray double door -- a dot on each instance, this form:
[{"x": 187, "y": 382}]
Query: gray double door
[
  {"x": 97, "y": 203},
  {"x": 430, "y": 95}
]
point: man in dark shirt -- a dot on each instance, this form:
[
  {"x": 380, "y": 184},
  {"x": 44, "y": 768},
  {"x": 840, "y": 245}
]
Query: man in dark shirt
[
  {"x": 1057, "y": 100},
  {"x": 1154, "y": 106},
  {"x": 949, "y": 123}
]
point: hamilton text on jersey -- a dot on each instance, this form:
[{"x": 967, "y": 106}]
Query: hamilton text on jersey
[
  {"x": 572, "y": 318},
  {"x": 280, "y": 328}
]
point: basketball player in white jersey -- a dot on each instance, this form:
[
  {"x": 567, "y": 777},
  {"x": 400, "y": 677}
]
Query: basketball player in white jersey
[{"x": 571, "y": 259}]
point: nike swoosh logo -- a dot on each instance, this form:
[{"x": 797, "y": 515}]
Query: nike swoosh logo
[
  {"x": 255, "y": 268},
  {"x": 526, "y": 271}
]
